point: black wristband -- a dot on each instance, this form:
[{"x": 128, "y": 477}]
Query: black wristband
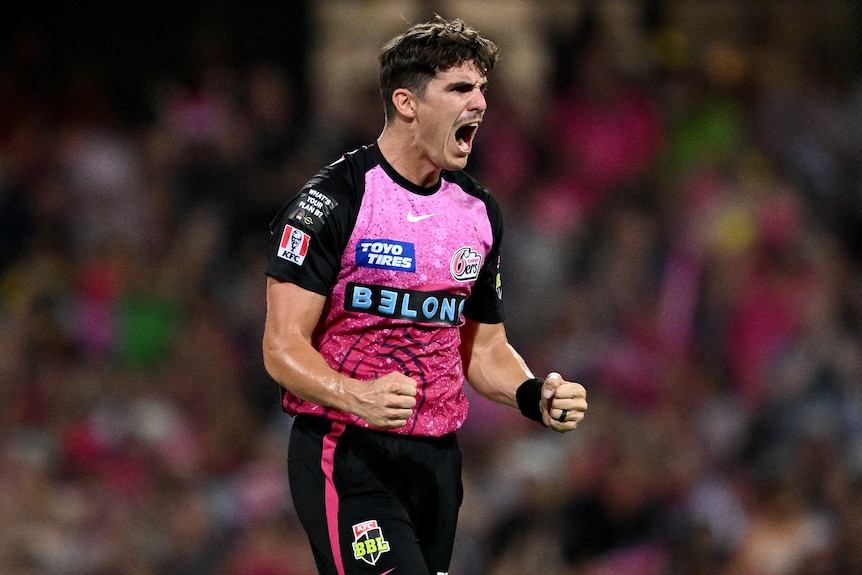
[{"x": 528, "y": 396}]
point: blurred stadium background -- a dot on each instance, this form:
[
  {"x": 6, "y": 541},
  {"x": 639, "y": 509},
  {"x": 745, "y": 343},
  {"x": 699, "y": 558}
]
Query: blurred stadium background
[{"x": 682, "y": 184}]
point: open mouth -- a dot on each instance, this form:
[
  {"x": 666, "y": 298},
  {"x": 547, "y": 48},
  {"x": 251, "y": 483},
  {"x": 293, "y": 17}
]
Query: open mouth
[{"x": 464, "y": 136}]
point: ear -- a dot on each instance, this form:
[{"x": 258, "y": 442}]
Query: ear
[{"x": 405, "y": 102}]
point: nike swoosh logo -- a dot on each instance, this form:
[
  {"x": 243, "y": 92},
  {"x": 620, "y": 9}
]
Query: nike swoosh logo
[{"x": 413, "y": 219}]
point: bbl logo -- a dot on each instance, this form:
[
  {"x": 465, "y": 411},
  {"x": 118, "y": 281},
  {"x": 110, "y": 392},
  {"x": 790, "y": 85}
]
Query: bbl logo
[{"x": 368, "y": 543}]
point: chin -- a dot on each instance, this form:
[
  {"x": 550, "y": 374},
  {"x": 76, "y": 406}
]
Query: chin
[{"x": 457, "y": 163}]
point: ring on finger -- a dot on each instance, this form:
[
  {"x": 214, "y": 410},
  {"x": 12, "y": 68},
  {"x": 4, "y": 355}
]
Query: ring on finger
[{"x": 563, "y": 415}]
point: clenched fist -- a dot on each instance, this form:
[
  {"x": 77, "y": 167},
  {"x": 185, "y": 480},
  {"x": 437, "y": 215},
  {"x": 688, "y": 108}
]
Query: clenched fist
[
  {"x": 386, "y": 402},
  {"x": 563, "y": 403}
]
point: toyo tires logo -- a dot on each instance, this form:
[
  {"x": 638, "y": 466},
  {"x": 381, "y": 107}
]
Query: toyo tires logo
[{"x": 465, "y": 264}]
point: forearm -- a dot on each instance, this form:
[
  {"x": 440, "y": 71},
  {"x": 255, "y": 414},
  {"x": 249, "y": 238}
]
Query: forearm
[
  {"x": 496, "y": 371},
  {"x": 289, "y": 357},
  {"x": 288, "y": 354},
  {"x": 386, "y": 402},
  {"x": 296, "y": 366}
]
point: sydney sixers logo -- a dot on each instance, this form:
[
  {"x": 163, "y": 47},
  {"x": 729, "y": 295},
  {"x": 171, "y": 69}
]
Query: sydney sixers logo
[
  {"x": 465, "y": 264},
  {"x": 368, "y": 543}
]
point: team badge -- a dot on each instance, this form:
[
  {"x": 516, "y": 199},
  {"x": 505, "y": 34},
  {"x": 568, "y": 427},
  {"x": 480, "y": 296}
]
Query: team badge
[
  {"x": 294, "y": 245},
  {"x": 368, "y": 542},
  {"x": 465, "y": 264}
]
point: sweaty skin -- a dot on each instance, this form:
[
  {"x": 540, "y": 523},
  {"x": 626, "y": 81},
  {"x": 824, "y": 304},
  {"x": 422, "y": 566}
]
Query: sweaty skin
[
  {"x": 292, "y": 314},
  {"x": 425, "y": 141}
]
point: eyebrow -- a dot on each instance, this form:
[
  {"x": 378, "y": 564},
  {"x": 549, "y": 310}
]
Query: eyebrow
[{"x": 482, "y": 84}]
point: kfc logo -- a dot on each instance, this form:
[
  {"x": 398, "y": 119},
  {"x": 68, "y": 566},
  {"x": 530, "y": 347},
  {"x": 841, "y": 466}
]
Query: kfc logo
[{"x": 294, "y": 245}]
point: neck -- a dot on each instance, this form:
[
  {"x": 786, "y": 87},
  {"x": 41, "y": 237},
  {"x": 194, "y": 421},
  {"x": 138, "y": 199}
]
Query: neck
[{"x": 406, "y": 158}]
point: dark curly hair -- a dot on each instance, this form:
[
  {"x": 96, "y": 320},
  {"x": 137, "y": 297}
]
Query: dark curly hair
[{"x": 412, "y": 59}]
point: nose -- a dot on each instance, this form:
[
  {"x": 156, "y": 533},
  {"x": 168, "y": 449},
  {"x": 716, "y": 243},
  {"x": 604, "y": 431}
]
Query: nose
[{"x": 477, "y": 102}]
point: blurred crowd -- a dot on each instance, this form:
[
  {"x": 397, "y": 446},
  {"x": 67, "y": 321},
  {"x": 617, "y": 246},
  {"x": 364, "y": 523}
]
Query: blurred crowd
[{"x": 684, "y": 241}]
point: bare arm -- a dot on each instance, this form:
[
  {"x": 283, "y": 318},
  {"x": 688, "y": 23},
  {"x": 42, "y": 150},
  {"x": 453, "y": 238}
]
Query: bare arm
[
  {"x": 492, "y": 366},
  {"x": 496, "y": 371},
  {"x": 291, "y": 360}
]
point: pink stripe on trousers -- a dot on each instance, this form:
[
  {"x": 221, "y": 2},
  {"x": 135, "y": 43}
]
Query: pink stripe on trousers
[{"x": 327, "y": 464}]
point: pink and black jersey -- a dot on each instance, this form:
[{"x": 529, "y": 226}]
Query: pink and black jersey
[{"x": 402, "y": 267}]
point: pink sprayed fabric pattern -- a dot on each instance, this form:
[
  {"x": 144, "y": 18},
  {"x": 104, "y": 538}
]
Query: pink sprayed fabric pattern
[{"x": 366, "y": 345}]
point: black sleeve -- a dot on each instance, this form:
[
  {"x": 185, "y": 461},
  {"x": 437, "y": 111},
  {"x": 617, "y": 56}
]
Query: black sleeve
[
  {"x": 310, "y": 232},
  {"x": 485, "y": 303}
]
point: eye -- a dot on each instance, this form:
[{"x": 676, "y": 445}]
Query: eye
[{"x": 466, "y": 88}]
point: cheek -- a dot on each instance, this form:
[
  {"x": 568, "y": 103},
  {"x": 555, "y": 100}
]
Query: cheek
[{"x": 438, "y": 136}]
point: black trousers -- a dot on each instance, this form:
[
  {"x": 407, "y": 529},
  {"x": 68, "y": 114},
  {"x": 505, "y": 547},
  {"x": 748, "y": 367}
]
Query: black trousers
[{"x": 372, "y": 502}]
